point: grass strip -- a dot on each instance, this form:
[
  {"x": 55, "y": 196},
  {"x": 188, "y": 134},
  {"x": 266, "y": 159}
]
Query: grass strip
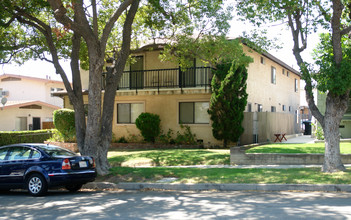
[
  {"x": 226, "y": 175},
  {"x": 171, "y": 157}
]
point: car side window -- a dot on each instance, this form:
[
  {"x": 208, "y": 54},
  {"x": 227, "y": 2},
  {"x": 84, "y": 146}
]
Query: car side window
[
  {"x": 3, "y": 153},
  {"x": 19, "y": 153},
  {"x": 35, "y": 155}
]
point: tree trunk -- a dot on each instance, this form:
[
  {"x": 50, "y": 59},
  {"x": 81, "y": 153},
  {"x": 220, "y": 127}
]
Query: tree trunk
[
  {"x": 112, "y": 80},
  {"x": 76, "y": 96},
  {"x": 336, "y": 107},
  {"x": 93, "y": 141}
]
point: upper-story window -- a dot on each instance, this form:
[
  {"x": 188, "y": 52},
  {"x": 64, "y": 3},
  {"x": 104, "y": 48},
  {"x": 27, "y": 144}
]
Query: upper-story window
[
  {"x": 273, "y": 109},
  {"x": 249, "y": 107},
  {"x": 273, "y": 75},
  {"x": 284, "y": 108},
  {"x": 262, "y": 60},
  {"x": 259, "y": 108},
  {"x": 287, "y": 73},
  {"x": 283, "y": 71},
  {"x": 296, "y": 85}
]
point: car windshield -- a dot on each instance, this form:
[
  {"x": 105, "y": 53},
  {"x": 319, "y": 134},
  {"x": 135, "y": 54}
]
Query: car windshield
[{"x": 55, "y": 151}]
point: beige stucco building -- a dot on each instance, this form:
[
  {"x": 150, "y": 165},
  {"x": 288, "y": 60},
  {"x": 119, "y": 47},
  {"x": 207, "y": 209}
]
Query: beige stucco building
[
  {"x": 182, "y": 97},
  {"x": 29, "y": 102}
]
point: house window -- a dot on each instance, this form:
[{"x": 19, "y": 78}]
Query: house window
[
  {"x": 273, "y": 109},
  {"x": 283, "y": 71},
  {"x": 283, "y": 108},
  {"x": 127, "y": 113},
  {"x": 287, "y": 73},
  {"x": 296, "y": 86},
  {"x": 259, "y": 108},
  {"x": 290, "y": 108},
  {"x": 249, "y": 107},
  {"x": 262, "y": 60},
  {"x": 273, "y": 75},
  {"x": 193, "y": 113}
]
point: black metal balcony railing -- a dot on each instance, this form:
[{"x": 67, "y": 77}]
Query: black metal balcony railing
[{"x": 166, "y": 78}]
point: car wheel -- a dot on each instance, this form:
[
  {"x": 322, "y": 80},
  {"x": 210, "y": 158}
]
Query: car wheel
[
  {"x": 37, "y": 185},
  {"x": 74, "y": 187}
]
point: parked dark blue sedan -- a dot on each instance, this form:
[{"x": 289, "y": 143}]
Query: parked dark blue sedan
[{"x": 38, "y": 167}]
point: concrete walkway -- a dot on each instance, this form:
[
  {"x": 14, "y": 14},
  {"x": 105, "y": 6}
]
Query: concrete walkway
[{"x": 303, "y": 139}]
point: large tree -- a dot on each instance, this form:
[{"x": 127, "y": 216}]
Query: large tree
[
  {"x": 228, "y": 101},
  {"x": 333, "y": 77},
  {"x": 84, "y": 32}
]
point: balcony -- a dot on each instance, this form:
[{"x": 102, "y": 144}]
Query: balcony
[{"x": 197, "y": 77}]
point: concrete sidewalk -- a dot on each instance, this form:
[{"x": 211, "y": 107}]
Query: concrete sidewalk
[
  {"x": 303, "y": 139},
  {"x": 219, "y": 187}
]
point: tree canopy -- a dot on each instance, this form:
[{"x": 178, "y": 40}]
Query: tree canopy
[{"x": 88, "y": 32}]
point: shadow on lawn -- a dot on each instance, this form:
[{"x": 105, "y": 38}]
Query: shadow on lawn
[{"x": 173, "y": 157}]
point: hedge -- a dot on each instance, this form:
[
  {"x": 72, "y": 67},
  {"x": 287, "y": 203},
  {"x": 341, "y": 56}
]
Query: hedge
[{"x": 14, "y": 137}]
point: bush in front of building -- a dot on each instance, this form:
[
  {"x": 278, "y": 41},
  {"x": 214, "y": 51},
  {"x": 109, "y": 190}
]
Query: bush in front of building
[
  {"x": 65, "y": 123},
  {"x": 149, "y": 126},
  {"x": 15, "y": 137}
]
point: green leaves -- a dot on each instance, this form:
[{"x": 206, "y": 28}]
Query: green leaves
[
  {"x": 211, "y": 50},
  {"x": 228, "y": 101},
  {"x": 332, "y": 77}
]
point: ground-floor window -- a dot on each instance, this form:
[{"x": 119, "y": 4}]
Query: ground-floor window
[
  {"x": 193, "y": 113},
  {"x": 21, "y": 124},
  {"x": 127, "y": 113}
]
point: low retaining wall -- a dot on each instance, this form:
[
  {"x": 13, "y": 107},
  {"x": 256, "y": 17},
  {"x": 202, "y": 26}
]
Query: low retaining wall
[{"x": 239, "y": 157}]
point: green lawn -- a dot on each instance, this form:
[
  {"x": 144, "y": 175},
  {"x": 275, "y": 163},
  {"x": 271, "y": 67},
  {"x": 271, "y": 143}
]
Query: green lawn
[
  {"x": 226, "y": 175},
  {"x": 174, "y": 157}
]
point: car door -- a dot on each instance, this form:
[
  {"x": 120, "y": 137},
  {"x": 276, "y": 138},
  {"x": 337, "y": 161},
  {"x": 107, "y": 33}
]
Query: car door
[
  {"x": 3, "y": 156},
  {"x": 15, "y": 165}
]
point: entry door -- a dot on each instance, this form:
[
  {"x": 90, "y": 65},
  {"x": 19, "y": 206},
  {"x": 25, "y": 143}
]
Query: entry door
[
  {"x": 137, "y": 73},
  {"x": 187, "y": 77},
  {"x": 36, "y": 123}
]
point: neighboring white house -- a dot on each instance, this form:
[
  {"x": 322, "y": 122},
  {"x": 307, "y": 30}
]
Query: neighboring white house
[{"x": 29, "y": 102}]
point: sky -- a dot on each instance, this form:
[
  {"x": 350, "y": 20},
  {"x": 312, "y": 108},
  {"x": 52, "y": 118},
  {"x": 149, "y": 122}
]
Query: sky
[{"x": 43, "y": 69}]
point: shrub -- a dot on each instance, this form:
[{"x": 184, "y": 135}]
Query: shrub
[
  {"x": 122, "y": 140},
  {"x": 318, "y": 132},
  {"x": 187, "y": 137},
  {"x": 14, "y": 137},
  {"x": 166, "y": 138},
  {"x": 65, "y": 124},
  {"x": 149, "y": 125}
]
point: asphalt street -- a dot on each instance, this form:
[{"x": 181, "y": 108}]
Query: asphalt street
[{"x": 176, "y": 205}]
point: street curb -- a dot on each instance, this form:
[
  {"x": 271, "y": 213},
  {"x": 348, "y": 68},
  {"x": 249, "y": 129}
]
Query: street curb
[{"x": 219, "y": 187}]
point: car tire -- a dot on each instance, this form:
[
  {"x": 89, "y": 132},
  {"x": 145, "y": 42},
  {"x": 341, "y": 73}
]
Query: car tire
[
  {"x": 74, "y": 187},
  {"x": 37, "y": 185}
]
